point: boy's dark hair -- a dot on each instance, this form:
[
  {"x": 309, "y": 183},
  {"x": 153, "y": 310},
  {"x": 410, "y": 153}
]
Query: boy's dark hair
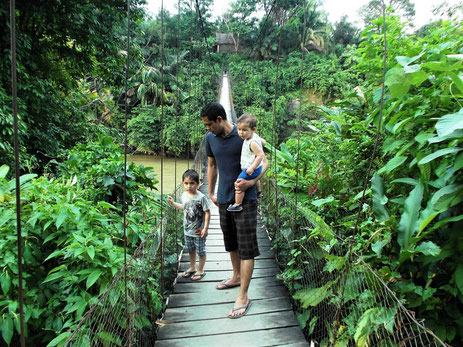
[
  {"x": 249, "y": 119},
  {"x": 191, "y": 174},
  {"x": 213, "y": 110}
]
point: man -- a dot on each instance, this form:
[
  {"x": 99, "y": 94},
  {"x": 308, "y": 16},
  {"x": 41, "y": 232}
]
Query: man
[{"x": 223, "y": 149}]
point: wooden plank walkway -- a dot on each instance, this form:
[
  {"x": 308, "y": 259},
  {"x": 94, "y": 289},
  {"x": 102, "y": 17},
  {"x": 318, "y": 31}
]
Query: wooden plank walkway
[{"x": 197, "y": 311}]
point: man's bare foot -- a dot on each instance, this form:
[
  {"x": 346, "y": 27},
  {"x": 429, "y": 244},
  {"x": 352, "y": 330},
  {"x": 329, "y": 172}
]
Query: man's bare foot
[{"x": 240, "y": 308}]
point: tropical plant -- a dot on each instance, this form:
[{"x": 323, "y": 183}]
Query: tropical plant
[{"x": 73, "y": 238}]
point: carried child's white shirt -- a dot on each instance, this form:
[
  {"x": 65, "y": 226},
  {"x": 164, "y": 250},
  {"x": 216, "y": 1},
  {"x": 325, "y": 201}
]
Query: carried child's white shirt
[{"x": 247, "y": 156}]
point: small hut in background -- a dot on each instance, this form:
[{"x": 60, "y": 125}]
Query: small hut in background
[{"x": 228, "y": 43}]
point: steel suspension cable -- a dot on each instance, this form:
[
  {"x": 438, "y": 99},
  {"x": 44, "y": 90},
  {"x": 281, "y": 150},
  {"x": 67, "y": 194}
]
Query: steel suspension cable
[
  {"x": 190, "y": 84},
  {"x": 176, "y": 130},
  {"x": 204, "y": 35},
  {"x": 264, "y": 78},
  {"x": 124, "y": 181},
  {"x": 300, "y": 112},
  {"x": 16, "y": 167},
  {"x": 274, "y": 157},
  {"x": 162, "y": 146}
]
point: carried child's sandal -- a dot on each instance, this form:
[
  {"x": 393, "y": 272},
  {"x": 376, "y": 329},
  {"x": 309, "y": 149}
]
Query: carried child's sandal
[{"x": 235, "y": 208}]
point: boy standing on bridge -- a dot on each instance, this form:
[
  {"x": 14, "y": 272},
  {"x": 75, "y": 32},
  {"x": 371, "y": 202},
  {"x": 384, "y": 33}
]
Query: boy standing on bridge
[
  {"x": 252, "y": 154},
  {"x": 196, "y": 218},
  {"x": 223, "y": 149}
]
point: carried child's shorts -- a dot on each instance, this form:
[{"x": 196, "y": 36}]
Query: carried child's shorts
[
  {"x": 197, "y": 244},
  {"x": 247, "y": 177}
]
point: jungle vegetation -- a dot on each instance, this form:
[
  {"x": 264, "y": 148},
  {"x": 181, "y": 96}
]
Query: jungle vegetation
[{"x": 71, "y": 103}]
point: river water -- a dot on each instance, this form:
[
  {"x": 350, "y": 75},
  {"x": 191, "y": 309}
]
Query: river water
[{"x": 168, "y": 173}]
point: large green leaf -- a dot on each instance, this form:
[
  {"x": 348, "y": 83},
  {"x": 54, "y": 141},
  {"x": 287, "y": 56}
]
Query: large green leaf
[
  {"x": 320, "y": 202},
  {"x": 447, "y": 196},
  {"x": 370, "y": 321},
  {"x": 7, "y": 328},
  {"x": 449, "y": 123},
  {"x": 459, "y": 278},
  {"x": 379, "y": 198},
  {"x": 458, "y": 162},
  {"x": 5, "y": 282},
  {"x": 428, "y": 248},
  {"x": 4, "y": 171},
  {"x": 441, "y": 66},
  {"x": 332, "y": 114},
  {"x": 404, "y": 61},
  {"x": 93, "y": 277},
  {"x": 438, "y": 154},
  {"x": 59, "y": 339},
  {"x": 406, "y": 180},
  {"x": 108, "y": 180},
  {"x": 409, "y": 220},
  {"x": 392, "y": 164},
  {"x": 302, "y": 318},
  {"x": 457, "y": 80},
  {"x": 314, "y": 296},
  {"x": 398, "y": 82}
]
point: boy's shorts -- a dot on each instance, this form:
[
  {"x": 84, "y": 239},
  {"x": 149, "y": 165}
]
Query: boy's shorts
[
  {"x": 247, "y": 177},
  {"x": 239, "y": 229},
  {"x": 197, "y": 244}
]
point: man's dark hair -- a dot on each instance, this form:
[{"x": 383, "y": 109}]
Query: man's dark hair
[
  {"x": 192, "y": 174},
  {"x": 213, "y": 110}
]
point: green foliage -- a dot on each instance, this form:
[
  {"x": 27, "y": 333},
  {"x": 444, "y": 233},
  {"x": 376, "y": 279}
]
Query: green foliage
[
  {"x": 99, "y": 166},
  {"x": 411, "y": 231},
  {"x": 73, "y": 238},
  {"x": 7, "y": 131},
  {"x": 255, "y": 92}
]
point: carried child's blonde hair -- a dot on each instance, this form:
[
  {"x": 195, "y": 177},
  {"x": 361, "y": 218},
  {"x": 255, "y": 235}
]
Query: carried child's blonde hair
[{"x": 249, "y": 119}]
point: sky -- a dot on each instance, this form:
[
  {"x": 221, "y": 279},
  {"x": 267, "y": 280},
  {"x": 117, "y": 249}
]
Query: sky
[{"x": 335, "y": 9}]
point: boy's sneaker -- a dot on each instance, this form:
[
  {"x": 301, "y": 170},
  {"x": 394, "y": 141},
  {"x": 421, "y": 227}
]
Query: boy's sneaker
[
  {"x": 235, "y": 208},
  {"x": 259, "y": 195}
]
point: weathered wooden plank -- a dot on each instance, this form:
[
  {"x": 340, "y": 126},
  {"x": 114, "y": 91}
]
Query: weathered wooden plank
[
  {"x": 225, "y": 256},
  {"x": 214, "y": 311},
  {"x": 217, "y": 276},
  {"x": 218, "y": 242},
  {"x": 197, "y": 311},
  {"x": 250, "y": 322},
  {"x": 202, "y": 287},
  {"x": 221, "y": 248},
  {"x": 263, "y": 338},
  {"x": 223, "y": 266},
  {"x": 224, "y": 296},
  {"x": 219, "y": 236}
]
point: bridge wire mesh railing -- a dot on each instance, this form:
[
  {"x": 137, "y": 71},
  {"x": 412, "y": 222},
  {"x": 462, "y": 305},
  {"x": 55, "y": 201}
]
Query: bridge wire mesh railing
[
  {"x": 313, "y": 260},
  {"x": 106, "y": 323}
]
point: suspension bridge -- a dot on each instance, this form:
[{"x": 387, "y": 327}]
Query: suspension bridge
[
  {"x": 334, "y": 290},
  {"x": 196, "y": 314}
]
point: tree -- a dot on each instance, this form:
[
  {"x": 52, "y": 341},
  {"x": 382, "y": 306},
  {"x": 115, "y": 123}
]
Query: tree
[
  {"x": 58, "y": 43},
  {"x": 240, "y": 21},
  {"x": 372, "y": 10},
  {"x": 345, "y": 33}
]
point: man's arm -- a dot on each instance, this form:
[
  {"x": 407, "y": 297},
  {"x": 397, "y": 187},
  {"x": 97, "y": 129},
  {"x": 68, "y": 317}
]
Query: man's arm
[
  {"x": 211, "y": 178},
  {"x": 241, "y": 185}
]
